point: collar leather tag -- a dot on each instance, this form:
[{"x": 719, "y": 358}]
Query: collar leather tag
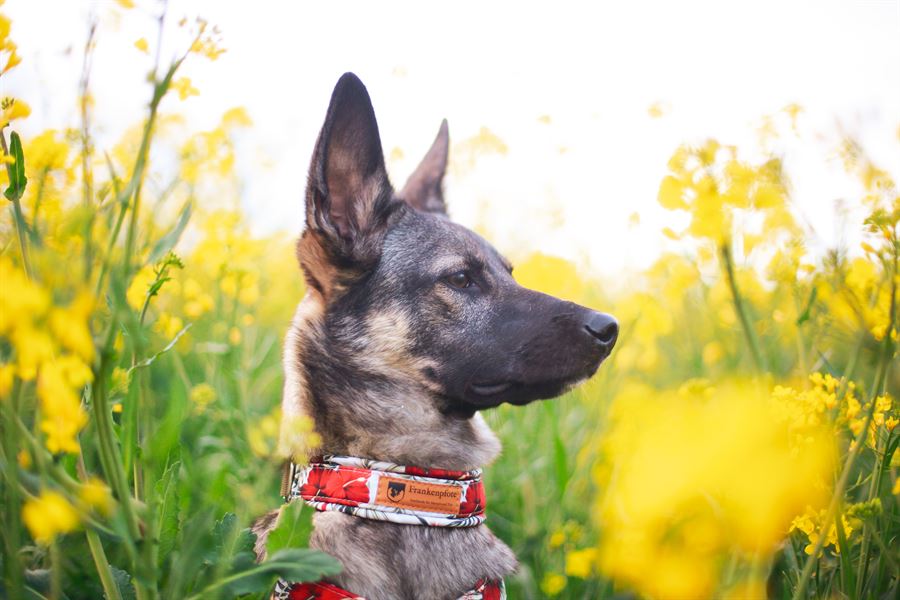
[{"x": 418, "y": 495}]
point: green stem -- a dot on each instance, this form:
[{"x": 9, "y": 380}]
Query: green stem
[
  {"x": 11, "y": 527},
  {"x": 87, "y": 182},
  {"x": 55, "y": 571},
  {"x": 859, "y": 441},
  {"x": 741, "y": 309},
  {"x": 875, "y": 483},
  {"x": 110, "y": 589}
]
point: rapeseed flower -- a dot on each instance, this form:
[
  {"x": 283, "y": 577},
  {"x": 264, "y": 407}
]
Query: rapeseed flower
[{"x": 49, "y": 515}]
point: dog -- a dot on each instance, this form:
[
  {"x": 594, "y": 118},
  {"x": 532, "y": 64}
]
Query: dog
[{"x": 411, "y": 326}]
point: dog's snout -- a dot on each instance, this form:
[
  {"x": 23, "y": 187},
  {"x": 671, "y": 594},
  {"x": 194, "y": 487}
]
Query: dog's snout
[{"x": 602, "y": 327}]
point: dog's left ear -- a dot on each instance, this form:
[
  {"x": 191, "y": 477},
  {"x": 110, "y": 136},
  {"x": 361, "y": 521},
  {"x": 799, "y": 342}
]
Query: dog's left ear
[{"x": 424, "y": 188}]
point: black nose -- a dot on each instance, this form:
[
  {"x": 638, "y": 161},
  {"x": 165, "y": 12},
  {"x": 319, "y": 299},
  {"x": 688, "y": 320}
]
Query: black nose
[{"x": 603, "y": 327}]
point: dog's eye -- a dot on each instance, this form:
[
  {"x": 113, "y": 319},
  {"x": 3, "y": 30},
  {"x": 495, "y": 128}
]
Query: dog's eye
[{"x": 460, "y": 280}]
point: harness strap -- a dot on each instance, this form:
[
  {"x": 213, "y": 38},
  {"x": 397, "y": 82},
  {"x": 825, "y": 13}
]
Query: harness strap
[{"x": 321, "y": 590}]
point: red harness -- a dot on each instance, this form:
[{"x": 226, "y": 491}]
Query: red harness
[
  {"x": 321, "y": 590},
  {"x": 386, "y": 492}
]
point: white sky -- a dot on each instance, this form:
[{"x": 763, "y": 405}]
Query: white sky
[{"x": 717, "y": 67}]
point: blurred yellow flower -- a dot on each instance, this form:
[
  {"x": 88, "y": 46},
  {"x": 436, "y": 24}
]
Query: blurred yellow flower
[
  {"x": 557, "y": 539},
  {"x": 139, "y": 287},
  {"x": 553, "y": 584},
  {"x": 581, "y": 563},
  {"x": 202, "y": 395},
  {"x": 141, "y": 45},
  {"x": 297, "y": 437},
  {"x": 96, "y": 495},
  {"x": 678, "y": 501},
  {"x": 712, "y": 353},
  {"x": 70, "y": 326},
  {"x": 49, "y": 515},
  {"x": 184, "y": 88},
  {"x": 7, "y": 373}
]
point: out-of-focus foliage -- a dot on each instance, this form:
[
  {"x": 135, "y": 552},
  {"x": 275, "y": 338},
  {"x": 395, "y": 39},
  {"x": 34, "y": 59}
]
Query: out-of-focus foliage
[
  {"x": 739, "y": 442},
  {"x": 138, "y": 386}
]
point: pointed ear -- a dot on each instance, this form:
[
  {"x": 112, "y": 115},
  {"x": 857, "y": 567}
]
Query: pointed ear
[
  {"x": 423, "y": 190},
  {"x": 348, "y": 193}
]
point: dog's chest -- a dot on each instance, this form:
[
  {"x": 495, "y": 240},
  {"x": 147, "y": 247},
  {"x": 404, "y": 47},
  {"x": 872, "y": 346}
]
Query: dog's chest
[{"x": 387, "y": 561}]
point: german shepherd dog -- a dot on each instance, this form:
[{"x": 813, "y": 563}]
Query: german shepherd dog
[{"x": 411, "y": 326}]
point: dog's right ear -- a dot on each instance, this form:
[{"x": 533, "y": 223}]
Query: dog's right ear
[
  {"x": 348, "y": 197},
  {"x": 424, "y": 188}
]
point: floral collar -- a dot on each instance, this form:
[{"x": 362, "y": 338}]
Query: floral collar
[
  {"x": 386, "y": 492},
  {"x": 389, "y": 492}
]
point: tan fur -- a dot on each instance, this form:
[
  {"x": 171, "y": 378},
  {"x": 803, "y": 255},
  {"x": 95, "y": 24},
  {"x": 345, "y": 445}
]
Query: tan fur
[
  {"x": 295, "y": 394},
  {"x": 321, "y": 274}
]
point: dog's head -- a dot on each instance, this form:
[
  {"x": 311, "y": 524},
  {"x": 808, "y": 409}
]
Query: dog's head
[{"x": 405, "y": 290}]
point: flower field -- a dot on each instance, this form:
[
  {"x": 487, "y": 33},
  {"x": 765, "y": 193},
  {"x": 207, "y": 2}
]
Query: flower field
[{"x": 740, "y": 442}]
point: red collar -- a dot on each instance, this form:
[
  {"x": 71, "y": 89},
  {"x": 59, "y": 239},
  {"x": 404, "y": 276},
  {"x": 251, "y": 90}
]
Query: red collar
[
  {"x": 390, "y": 492},
  {"x": 386, "y": 492}
]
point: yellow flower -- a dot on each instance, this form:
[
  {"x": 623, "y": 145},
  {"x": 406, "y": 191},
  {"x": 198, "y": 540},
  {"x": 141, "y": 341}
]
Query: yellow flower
[
  {"x": 24, "y": 458},
  {"x": 557, "y": 539},
  {"x": 229, "y": 285},
  {"x": 140, "y": 285},
  {"x": 896, "y": 488},
  {"x": 184, "y": 88},
  {"x": 13, "y": 109},
  {"x": 234, "y": 336},
  {"x": 677, "y": 503},
  {"x": 712, "y": 353},
  {"x": 21, "y": 300},
  {"x": 201, "y": 395},
  {"x": 33, "y": 348},
  {"x": 70, "y": 326},
  {"x": 580, "y": 563},
  {"x": 7, "y": 373},
  {"x": 126, "y": 4},
  {"x": 297, "y": 437},
  {"x": 62, "y": 414},
  {"x": 263, "y": 435},
  {"x": 249, "y": 294},
  {"x": 141, "y": 45},
  {"x": 236, "y": 117},
  {"x": 96, "y": 495},
  {"x": 48, "y": 516},
  {"x": 553, "y": 584}
]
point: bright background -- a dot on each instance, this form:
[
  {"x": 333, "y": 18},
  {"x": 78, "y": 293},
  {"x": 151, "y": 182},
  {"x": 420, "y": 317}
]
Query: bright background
[{"x": 571, "y": 90}]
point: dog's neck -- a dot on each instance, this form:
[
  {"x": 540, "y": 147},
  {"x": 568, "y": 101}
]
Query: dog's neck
[{"x": 367, "y": 402}]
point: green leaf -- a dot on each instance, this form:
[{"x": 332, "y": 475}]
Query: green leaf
[
  {"x": 848, "y": 575},
  {"x": 292, "y": 529},
  {"x": 168, "y": 241},
  {"x": 292, "y": 564},
  {"x": 166, "y": 490},
  {"x": 804, "y": 316},
  {"x": 16, "y": 171},
  {"x": 123, "y": 582}
]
